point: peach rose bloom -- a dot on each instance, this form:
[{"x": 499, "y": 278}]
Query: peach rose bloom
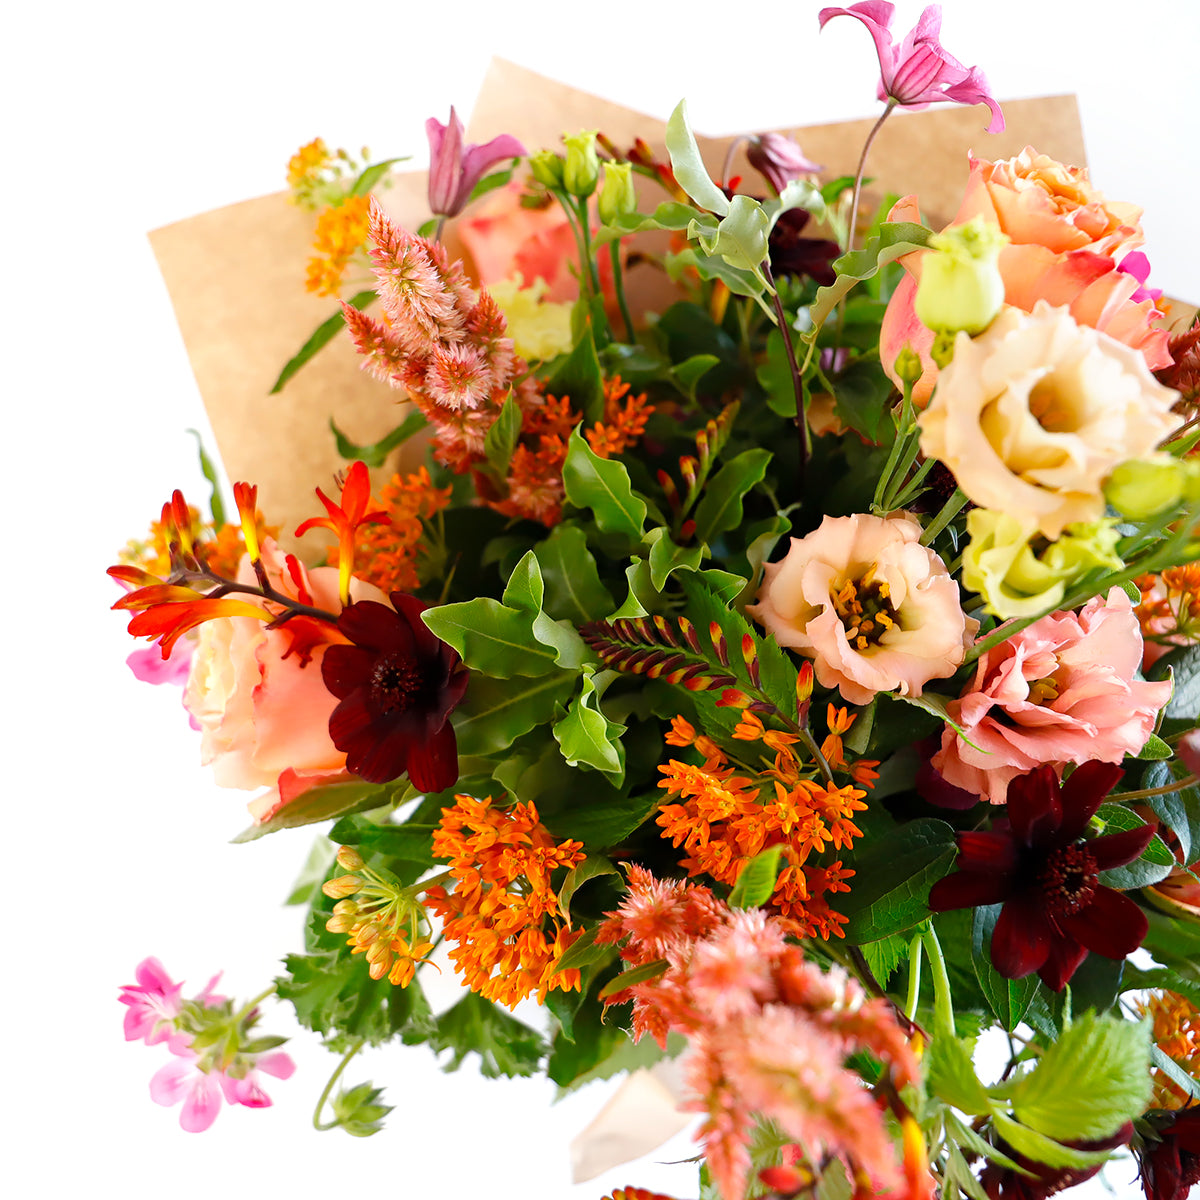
[
  {"x": 263, "y": 712},
  {"x": 1059, "y": 691},
  {"x": 873, "y": 608},
  {"x": 1065, "y": 246},
  {"x": 1034, "y": 414}
]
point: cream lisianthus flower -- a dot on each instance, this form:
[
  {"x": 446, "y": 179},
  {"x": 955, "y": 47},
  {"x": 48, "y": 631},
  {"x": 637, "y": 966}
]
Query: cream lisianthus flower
[
  {"x": 873, "y": 608},
  {"x": 1032, "y": 415},
  {"x": 540, "y": 328}
]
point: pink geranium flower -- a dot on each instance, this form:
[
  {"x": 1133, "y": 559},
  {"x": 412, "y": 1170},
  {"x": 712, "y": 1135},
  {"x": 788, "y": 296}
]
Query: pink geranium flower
[
  {"x": 1062, "y": 690},
  {"x": 919, "y": 71},
  {"x": 154, "y": 1003}
]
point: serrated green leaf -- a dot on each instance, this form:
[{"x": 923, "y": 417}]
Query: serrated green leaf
[
  {"x": 319, "y": 339},
  {"x": 1043, "y": 1149},
  {"x": 603, "y": 485},
  {"x": 720, "y": 506},
  {"x": 885, "y": 955},
  {"x": 666, "y": 556},
  {"x": 963, "y": 1135},
  {"x": 862, "y": 393},
  {"x": 577, "y": 876},
  {"x": 506, "y": 1046},
  {"x": 492, "y": 637},
  {"x": 321, "y": 803},
  {"x": 756, "y": 880},
  {"x": 578, "y": 376},
  {"x": 216, "y": 506},
  {"x": 375, "y": 453},
  {"x": 890, "y": 889},
  {"x": 1089, "y": 1082},
  {"x": 1007, "y": 998},
  {"x": 688, "y": 164},
  {"x": 371, "y": 175},
  {"x": 496, "y": 712},
  {"x": 313, "y": 873},
  {"x": 573, "y": 590},
  {"x": 588, "y": 738},
  {"x": 950, "y": 1074},
  {"x": 501, "y": 438},
  {"x": 642, "y": 974}
]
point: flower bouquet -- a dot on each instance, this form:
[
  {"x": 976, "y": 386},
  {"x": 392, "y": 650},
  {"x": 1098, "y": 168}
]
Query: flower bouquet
[{"x": 778, "y": 651}]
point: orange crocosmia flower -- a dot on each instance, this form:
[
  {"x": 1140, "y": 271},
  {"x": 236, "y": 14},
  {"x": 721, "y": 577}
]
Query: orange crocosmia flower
[{"x": 168, "y": 620}]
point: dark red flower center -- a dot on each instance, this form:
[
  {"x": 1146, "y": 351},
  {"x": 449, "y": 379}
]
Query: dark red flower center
[
  {"x": 396, "y": 683},
  {"x": 1069, "y": 880}
]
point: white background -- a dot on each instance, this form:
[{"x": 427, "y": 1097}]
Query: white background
[{"x": 123, "y": 117}]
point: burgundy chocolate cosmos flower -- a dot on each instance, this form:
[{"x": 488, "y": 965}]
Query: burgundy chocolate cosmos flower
[
  {"x": 1171, "y": 1166},
  {"x": 397, "y": 685},
  {"x": 1038, "y": 864}
]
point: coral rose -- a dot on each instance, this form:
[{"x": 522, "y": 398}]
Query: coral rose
[
  {"x": 1032, "y": 415},
  {"x": 873, "y": 608},
  {"x": 1059, "y": 691},
  {"x": 1066, "y": 246},
  {"x": 262, "y": 705}
]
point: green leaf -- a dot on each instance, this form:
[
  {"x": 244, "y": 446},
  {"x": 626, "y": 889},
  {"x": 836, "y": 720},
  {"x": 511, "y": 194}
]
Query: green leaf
[
  {"x": 688, "y": 373},
  {"x": 1042, "y": 1149},
  {"x": 492, "y": 637},
  {"x": 1007, "y": 998},
  {"x": 1154, "y": 749},
  {"x": 741, "y": 236},
  {"x": 896, "y": 238},
  {"x": 489, "y": 183},
  {"x": 950, "y": 1072},
  {"x": 642, "y": 974},
  {"x": 862, "y": 392},
  {"x": 737, "y": 279},
  {"x": 1184, "y": 665},
  {"x": 375, "y": 454},
  {"x": 501, "y": 439},
  {"x": 579, "y": 377},
  {"x": 720, "y": 507},
  {"x": 892, "y": 877},
  {"x": 572, "y": 579},
  {"x": 1155, "y": 863},
  {"x": 525, "y": 590},
  {"x": 603, "y": 485},
  {"x": 583, "y": 952},
  {"x": 756, "y": 881},
  {"x": 215, "y": 505},
  {"x": 588, "y": 738},
  {"x": 671, "y": 215},
  {"x": 688, "y": 164},
  {"x": 1089, "y": 1082},
  {"x": 408, "y": 842},
  {"x": 321, "y": 803},
  {"x": 313, "y": 873},
  {"x": 506, "y": 1046},
  {"x": 608, "y": 823},
  {"x": 1180, "y": 810},
  {"x": 321, "y": 337},
  {"x": 935, "y": 705},
  {"x": 666, "y": 556},
  {"x": 593, "y": 865},
  {"x": 373, "y": 174},
  {"x": 885, "y": 955},
  {"x": 1178, "y": 1076},
  {"x": 496, "y": 712}
]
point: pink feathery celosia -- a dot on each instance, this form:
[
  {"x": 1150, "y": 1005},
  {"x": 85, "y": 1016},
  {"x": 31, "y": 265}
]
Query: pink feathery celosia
[{"x": 1062, "y": 690}]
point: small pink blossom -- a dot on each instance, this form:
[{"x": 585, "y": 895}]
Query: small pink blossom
[
  {"x": 874, "y": 609},
  {"x": 455, "y": 169},
  {"x": 919, "y": 71},
  {"x": 154, "y": 1003},
  {"x": 1060, "y": 691},
  {"x": 779, "y": 159},
  {"x": 182, "y": 1080}
]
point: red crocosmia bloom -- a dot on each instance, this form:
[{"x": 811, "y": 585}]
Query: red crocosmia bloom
[
  {"x": 1040, "y": 867},
  {"x": 1171, "y": 1166},
  {"x": 397, "y": 684}
]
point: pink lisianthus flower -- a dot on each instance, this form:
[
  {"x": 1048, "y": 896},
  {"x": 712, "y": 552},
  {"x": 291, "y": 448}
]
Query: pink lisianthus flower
[
  {"x": 258, "y": 694},
  {"x": 1060, "y": 691},
  {"x": 919, "y": 71},
  {"x": 154, "y": 1003},
  {"x": 455, "y": 169},
  {"x": 874, "y": 609},
  {"x": 201, "y": 1091}
]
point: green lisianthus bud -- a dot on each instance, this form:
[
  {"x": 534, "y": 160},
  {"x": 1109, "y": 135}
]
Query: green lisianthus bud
[
  {"x": 617, "y": 197},
  {"x": 581, "y": 170},
  {"x": 908, "y": 365},
  {"x": 1143, "y": 487},
  {"x": 961, "y": 289},
  {"x": 547, "y": 168},
  {"x": 942, "y": 350}
]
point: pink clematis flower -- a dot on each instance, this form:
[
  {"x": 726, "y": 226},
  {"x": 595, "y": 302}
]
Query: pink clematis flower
[
  {"x": 455, "y": 169},
  {"x": 154, "y": 1003},
  {"x": 919, "y": 72}
]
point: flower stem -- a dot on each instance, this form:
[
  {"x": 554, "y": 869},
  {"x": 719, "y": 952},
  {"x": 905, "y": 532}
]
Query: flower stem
[
  {"x": 619, "y": 287},
  {"x": 785, "y": 330},
  {"x": 914, "y": 978},
  {"x": 858, "y": 175},
  {"x": 949, "y": 511},
  {"x": 1146, "y": 793},
  {"x": 943, "y": 1007},
  {"x": 318, "y": 1124},
  {"x": 251, "y": 1005}
]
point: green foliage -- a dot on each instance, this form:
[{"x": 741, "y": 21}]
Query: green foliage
[
  {"x": 375, "y": 453},
  {"x": 587, "y": 737},
  {"x": 603, "y": 485},
  {"x": 216, "y": 505},
  {"x": 322, "y": 803},
  {"x": 313, "y": 873},
  {"x": 862, "y": 393},
  {"x": 666, "y": 557},
  {"x": 358, "y": 1111},
  {"x": 1155, "y": 863},
  {"x": 885, "y": 955},
  {"x": 893, "y": 875},
  {"x": 573, "y": 590},
  {"x": 1183, "y": 665},
  {"x": 756, "y": 881},
  {"x": 578, "y": 376},
  {"x": 577, "y": 876},
  {"x": 496, "y": 712},
  {"x": 501, "y": 439},
  {"x": 319, "y": 339},
  {"x": 950, "y": 1073},
  {"x": 1007, "y": 998},
  {"x": 720, "y": 506},
  {"x": 373, "y": 174},
  {"x": 506, "y": 1046}
]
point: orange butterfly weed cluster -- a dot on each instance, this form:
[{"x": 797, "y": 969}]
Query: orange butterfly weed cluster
[
  {"x": 340, "y": 234},
  {"x": 503, "y": 916},
  {"x": 727, "y": 814},
  {"x": 1177, "y": 1035},
  {"x": 1169, "y": 612}
]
